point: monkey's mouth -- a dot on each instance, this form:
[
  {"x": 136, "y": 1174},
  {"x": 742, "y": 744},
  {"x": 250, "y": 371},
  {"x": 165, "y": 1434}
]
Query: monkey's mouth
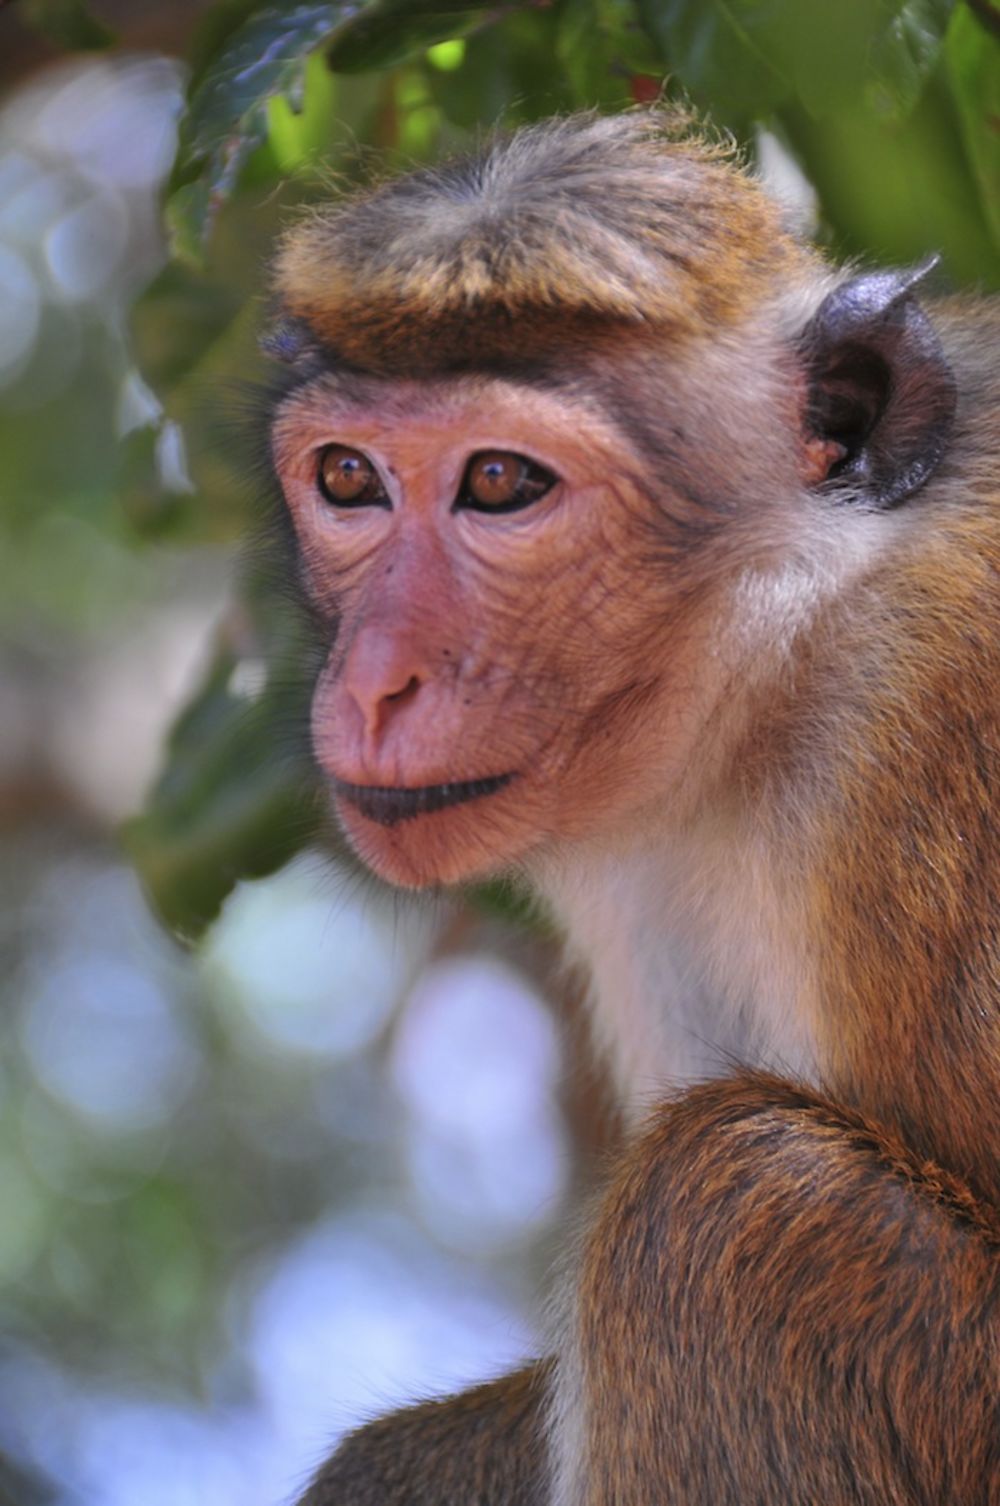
[{"x": 388, "y": 806}]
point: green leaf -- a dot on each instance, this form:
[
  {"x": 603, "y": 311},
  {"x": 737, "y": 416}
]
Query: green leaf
[
  {"x": 179, "y": 318},
  {"x": 234, "y": 802},
  {"x": 239, "y": 795},
  {"x": 827, "y": 50},
  {"x": 712, "y": 48},
  {"x": 228, "y": 113},
  {"x": 481, "y": 89},
  {"x": 511, "y": 73},
  {"x": 194, "y": 340},
  {"x": 211, "y": 33},
  {"x": 67, "y": 22},
  {"x": 302, "y": 137},
  {"x": 388, "y": 32},
  {"x": 199, "y": 479},
  {"x": 263, "y": 57},
  {"x": 973, "y": 57},
  {"x": 447, "y": 55},
  {"x": 600, "y": 46},
  {"x": 147, "y": 492},
  {"x": 903, "y": 57},
  {"x": 188, "y": 215},
  {"x": 892, "y": 191},
  {"x": 750, "y": 56},
  {"x": 713, "y": 53}
]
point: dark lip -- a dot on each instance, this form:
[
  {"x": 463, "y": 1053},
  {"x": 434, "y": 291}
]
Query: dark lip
[{"x": 387, "y": 806}]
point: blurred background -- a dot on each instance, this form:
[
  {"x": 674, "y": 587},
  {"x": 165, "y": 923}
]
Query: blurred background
[{"x": 277, "y": 1148}]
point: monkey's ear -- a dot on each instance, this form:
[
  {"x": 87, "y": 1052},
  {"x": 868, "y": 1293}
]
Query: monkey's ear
[{"x": 881, "y": 392}]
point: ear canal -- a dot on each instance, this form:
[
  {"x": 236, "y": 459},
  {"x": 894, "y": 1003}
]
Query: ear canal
[{"x": 880, "y": 385}]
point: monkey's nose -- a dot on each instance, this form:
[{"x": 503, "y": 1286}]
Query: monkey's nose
[{"x": 382, "y": 676}]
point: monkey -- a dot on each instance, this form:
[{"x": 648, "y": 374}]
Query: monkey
[{"x": 658, "y": 563}]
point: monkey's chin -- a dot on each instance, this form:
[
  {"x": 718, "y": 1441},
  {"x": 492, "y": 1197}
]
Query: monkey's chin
[{"x": 433, "y": 836}]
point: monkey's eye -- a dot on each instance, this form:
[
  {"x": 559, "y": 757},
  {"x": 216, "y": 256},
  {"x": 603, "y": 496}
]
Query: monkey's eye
[
  {"x": 348, "y": 479},
  {"x": 500, "y": 481}
]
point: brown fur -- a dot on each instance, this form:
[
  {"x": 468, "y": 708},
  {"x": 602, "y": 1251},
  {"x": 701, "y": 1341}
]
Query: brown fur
[
  {"x": 908, "y": 921},
  {"x": 486, "y": 1446},
  {"x": 569, "y": 227},
  {"x": 752, "y": 719},
  {"x": 780, "y": 1304}
]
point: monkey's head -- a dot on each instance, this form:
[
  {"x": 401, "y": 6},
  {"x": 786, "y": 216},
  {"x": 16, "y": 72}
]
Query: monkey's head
[{"x": 551, "y": 409}]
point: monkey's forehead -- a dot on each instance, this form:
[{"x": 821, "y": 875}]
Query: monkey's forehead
[
  {"x": 466, "y": 412},
  {"x": 551, "y": 235}
]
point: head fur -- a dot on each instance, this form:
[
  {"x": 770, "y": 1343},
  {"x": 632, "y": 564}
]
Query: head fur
[{"x": 582, "y": 226}]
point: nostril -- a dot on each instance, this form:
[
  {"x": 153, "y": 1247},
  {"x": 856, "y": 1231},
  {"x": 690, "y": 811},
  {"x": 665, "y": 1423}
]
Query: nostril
[
  {"x": 408, "y": 691},
  {"x": 381, "y": 674}
]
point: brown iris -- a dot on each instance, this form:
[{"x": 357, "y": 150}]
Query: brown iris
[
  {"x": 494, "y": 478},
  {"x": 348, "y": 479},
  {"x": 501, "y": 481}
]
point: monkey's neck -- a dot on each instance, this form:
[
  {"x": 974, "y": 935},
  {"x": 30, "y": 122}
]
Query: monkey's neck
[{"x": 696, "y": 957}]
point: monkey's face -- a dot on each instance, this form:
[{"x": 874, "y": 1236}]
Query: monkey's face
[{"x": 503, "y": 664}]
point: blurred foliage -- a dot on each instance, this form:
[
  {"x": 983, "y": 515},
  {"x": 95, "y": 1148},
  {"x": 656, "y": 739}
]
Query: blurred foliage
[
  {"x": 67, "y": 22},
  {"x": 236, "y": 798},
  {"x": 891, "y": 107}
]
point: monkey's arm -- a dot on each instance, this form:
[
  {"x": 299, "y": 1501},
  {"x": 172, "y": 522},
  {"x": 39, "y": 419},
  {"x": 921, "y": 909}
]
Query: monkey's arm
[
  {"x": 779, "y": 1304},
  {"x": 485, "y": 1447},
  {"x": 776, "y": 1303}
]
